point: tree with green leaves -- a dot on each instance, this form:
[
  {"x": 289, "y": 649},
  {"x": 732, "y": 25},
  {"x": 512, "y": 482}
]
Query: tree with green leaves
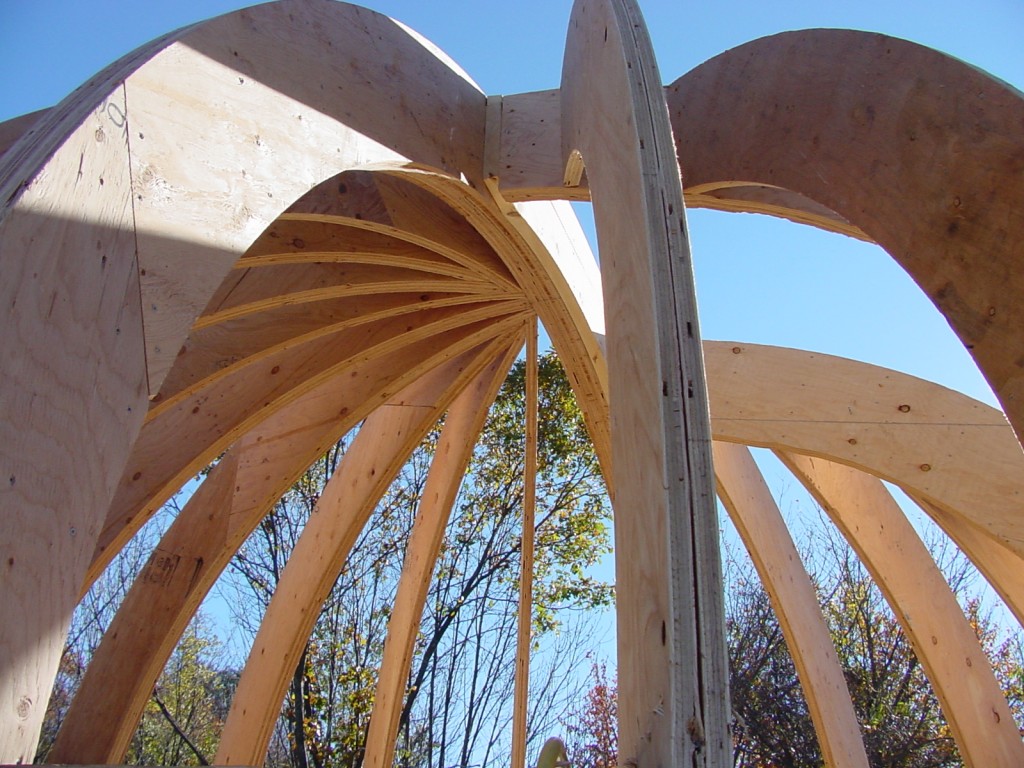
[
  {"x": 185, "y": 713},
  {"x": 183, "y": 718},
  {"x": 457, "y": 707}
]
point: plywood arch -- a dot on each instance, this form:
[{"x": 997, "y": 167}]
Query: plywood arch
[
  {"x": 215, "y": 86},
  {"x": 945, "y": 176}
]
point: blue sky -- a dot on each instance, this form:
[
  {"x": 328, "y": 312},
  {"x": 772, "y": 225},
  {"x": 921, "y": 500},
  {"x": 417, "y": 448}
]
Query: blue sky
[{"x": 758, "y": 279}]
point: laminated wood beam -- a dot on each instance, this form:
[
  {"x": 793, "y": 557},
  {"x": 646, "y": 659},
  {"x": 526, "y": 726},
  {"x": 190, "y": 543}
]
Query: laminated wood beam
[
  {"x": 259, "y": 288},
  {"x": 211, "y": 351},
  {"x": 389, "y": 204},
  {"x": 752, "y": 509},
  {"x": 546, "y": 251},
  {"x": 318, "y": 556},
  {"x": 261, "y": 108},
  {"x": 462, "y": 427},
  {"x": 937, "y": 444},
  {"x": 1000, "y": 565},
  {"x": 673, "y": 675},
  {"x": 163, "y": 463},
  {"x": 293, "y": 241},
  {"x": 529, "y": 164},
  {"x": 943, "y": 641},
  {"x": 243, "y": 486},
  {"x": 524, "y": 618}
]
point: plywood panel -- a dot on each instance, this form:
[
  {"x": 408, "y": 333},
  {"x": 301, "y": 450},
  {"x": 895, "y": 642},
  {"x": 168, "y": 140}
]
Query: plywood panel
[
  {"x": 258, "y": 91},
  {"x": 546, "y": 251},
  {"x": 73, "y": 377},
  {"x": 945, "y": 176}
]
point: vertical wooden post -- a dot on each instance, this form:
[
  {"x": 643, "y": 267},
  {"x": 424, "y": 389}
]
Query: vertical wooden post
[
  {"x": 525, "y": 621},
  {"x": 673, "y": 668}
]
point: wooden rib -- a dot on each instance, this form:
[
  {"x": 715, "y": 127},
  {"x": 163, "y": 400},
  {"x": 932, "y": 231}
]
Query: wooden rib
[
  {"x": 524, "y": 620},
  {"x": 73, "y": 377},
  {"x": 565, "y": 283},
  {"x": 243, "y": 486},
  {"x": 943, "y": 641},
  {"x": 257, "y": 289},
  {"x": 212, "y": 351},
  {"x": 298, "y": 363},
  {"x": 340, "y": 514},
  {"x": 245, "y": 109},
  {"x": 530, "y": 167},
  {"x": 291, "y": 104},
  {"x": 545, "y": 249},
  {"x": 945, "y": 203},
  {"x": 673, "y": 673},
  {"x": 1001, "y": 566},
  {"x": 294, "y": 242},
  {"x": 757, "y": 519},
  {"x": 391, "y": 206},
  {"x": 739, "y": 197},
  {"x": 162, "y": 460},
  {"x": 238, "y": 91},
  {"x": 936, "y": 443},
  {"x": 454, "y": 450},
  {"x": 468, "y": 261}
]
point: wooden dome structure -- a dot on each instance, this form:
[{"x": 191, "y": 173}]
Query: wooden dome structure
[{"x": 256, "y": 233}]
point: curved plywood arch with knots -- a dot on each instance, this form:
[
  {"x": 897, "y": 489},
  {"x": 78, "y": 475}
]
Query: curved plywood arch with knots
[
  {"x": 334, "y": 246},
  {"x": 945, "y": 180},
  {"x": 164, "y": 227}
]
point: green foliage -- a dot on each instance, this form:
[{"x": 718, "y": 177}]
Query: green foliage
[
  {"x": 457, "y": 704},
  {"x": 183, "y": 719}
]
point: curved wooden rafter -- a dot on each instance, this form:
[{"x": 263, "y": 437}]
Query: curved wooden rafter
[
  {"x": 945, "y": 180},
  {"x": 999, "y": 564},
  {"x": 73, "y": 185},
  {"x": 673, "y": 669},
  {"x": 750, "y": 505},
  {"x": 258, "y": 289},
  {"x": 160, "y": 464},
  {"x": 931, "y": 441},
  {"x": 462, "y": 426},
  {"x": 558, "y": 273},
  {"x": 341, "y": 512},
  {"x": 530, "y": 169},
  {"x": 236, "y": 495},
  {"x": 389, "y": 204},
  {"x": 940, "y": 634},
  {"x": 292, "y": 241},
  {"x": 211, "y": 351}
]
